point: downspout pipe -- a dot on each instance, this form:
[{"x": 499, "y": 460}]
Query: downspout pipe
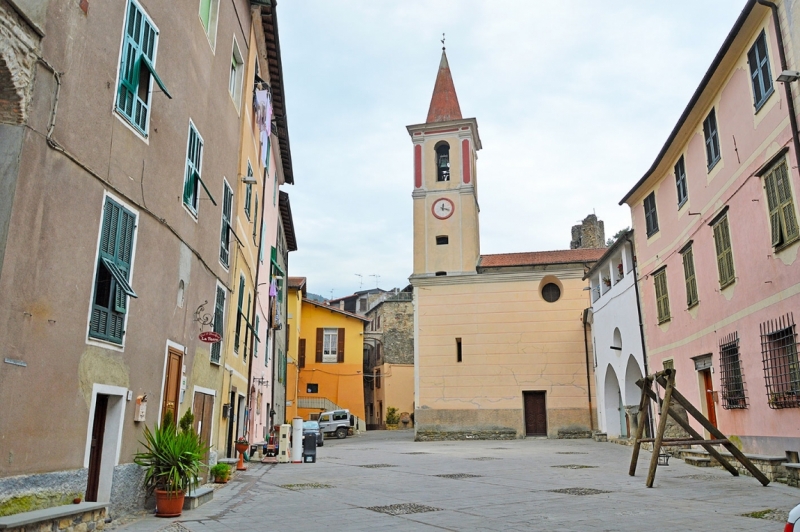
[
  {"x": 786, "y": 84},
  {"x": 639, "y": 311},
  {"x": 588, "y": 377}
]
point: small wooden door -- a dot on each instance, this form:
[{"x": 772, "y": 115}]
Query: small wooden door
[
  {"x": 708, "y": 389},
  {"x": 96, "y": 449},
  {"x": 172, "y": 384},
  {"x": 535, "y": 414},
  {"x": 203, "y": 410}
]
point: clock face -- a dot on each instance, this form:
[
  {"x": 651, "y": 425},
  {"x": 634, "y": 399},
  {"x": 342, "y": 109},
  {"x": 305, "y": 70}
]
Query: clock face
[{"x": 443, "y": 208}]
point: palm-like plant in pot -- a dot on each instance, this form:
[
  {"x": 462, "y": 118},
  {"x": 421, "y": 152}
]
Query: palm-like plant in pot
[{"x": 173, "y": 464}]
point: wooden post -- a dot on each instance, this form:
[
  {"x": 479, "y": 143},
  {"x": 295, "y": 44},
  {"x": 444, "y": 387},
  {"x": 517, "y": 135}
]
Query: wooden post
[
  {"x": 714, "y": 431},
  {"x": 696, "y": 435},
  {"x": 662, "y": 425},
  {"x": 644, "y": 403}
]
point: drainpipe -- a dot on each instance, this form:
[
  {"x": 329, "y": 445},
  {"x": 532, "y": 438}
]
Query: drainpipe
[
  {"x": 639, "y": 310},
  {"x": 786, "y": 85},
  {"x": 588, "y": 378}
]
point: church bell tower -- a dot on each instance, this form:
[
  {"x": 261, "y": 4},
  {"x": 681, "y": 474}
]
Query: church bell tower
[{"x": 446, "y": 229}]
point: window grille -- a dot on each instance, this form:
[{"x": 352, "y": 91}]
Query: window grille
[
  {"x": 781, "y": 368},
  {"x": 734, "y": 395}
]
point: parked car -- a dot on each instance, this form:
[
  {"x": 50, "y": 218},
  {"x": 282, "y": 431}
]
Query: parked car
[
  {"x": 793, "y": 523},
  {"x": 312, "y": 427},
  {"x": 335, "y": 422}
]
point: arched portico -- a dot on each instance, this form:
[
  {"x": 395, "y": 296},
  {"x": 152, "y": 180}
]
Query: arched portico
[{"x": 614, "y": 410}]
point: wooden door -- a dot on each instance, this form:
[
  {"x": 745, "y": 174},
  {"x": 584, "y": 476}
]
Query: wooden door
[
  {"x": 96, "y": 449},
  {"x": 203, "y": 410},
  {"x": 172, "y": 385},
  {"x": 535, "y": 414},
  {"x": 708, "y": 389}
]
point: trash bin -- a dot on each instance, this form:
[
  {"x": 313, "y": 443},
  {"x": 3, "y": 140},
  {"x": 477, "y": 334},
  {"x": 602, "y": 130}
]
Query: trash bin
[{"x": 309, "y": 448}]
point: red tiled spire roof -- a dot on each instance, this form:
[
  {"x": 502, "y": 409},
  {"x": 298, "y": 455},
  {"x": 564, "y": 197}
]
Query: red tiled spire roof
[{"x": 444, "y": 102}]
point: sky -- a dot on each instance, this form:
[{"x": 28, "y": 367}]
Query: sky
[{"x": 573, "y": 98}]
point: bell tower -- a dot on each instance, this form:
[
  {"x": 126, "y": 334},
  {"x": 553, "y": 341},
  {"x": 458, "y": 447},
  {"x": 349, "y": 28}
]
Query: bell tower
[{"x": 446, "y": 229}]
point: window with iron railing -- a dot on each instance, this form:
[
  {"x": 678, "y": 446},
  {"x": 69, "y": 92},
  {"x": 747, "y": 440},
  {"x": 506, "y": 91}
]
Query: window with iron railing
[
  {"x": 781, "y": 367},
  {"x": 734, "y": 395}
]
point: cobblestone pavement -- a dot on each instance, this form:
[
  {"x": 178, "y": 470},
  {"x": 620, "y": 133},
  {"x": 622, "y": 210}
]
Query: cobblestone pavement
[{"x": 384, "y": 480}]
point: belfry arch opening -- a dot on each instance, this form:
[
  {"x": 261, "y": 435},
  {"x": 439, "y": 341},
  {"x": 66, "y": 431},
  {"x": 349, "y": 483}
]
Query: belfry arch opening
[{"x": 442, "y": 150}]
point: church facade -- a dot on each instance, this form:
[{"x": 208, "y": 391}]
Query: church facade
[{"x": 501, "y": 348}]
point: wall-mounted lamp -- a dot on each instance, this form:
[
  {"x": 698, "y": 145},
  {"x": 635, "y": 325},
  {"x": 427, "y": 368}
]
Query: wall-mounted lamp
[
  {"x": 788, "y": 76},
  {"x": 249, "y": 180}
]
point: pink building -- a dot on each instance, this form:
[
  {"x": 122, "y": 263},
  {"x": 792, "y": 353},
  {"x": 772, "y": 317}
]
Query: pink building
[{"x": 717, "y": 240}]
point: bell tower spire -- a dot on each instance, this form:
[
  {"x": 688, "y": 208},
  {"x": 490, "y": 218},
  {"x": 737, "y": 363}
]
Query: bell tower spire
[
  {"x": 446, "y": 232},
  {"x": 444, "y": 102}
]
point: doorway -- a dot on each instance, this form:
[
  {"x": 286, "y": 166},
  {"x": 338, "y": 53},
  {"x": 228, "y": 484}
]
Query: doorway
[
  {"x": 535, "y": 413},
  {"x": 708, "y": 392},
  {"x": 172, "y": 385},
  {"x": 203, "y": 410},
  {"x": 96, "y": 446}
]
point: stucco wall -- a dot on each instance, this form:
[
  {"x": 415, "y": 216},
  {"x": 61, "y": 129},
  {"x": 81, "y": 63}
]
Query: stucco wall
[{"x": 512, "y": 341}]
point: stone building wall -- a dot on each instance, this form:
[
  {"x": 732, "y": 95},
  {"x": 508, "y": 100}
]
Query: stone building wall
[
  {"x": 590, "y": 233},
  {"x": 19, "y": 46},
  {"x": 397, "y": 325}
]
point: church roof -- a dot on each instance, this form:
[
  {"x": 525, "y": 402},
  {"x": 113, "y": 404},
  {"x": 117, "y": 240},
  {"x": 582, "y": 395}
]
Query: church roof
[
  {"x": 444, "y": 102},
  {"x": 537, "y": 258}
]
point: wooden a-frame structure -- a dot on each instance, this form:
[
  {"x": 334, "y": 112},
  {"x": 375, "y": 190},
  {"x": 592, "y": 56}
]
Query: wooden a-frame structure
[{"x": 666, "y": 379}]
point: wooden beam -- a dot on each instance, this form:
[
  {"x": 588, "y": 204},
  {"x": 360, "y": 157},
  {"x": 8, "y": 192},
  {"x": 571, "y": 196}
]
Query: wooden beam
[
  {"x": 714, "y": 431},
  {"x": 644, "y": 404},
  {"x": 694, "y": 434},
  {"x": 662, "y": 425}
]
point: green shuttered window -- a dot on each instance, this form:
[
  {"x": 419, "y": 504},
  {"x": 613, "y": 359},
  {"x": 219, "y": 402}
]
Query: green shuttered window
[
  {"x": 662, "y": 296},
  {"x": 219, "y": 323},
  {"x": 194, "y": 167},
  {"x": 112, "y": 279},
  {"x": 137, "y": 68},
  {"x": 225, "y": 235},
  {"x": 722, "y": 243},
  {"x": 782, "y": 219},
  {"x": 759, "y": 71},
  {"x": 238, "y": 333},
  {"x": 689, "y": 276}
]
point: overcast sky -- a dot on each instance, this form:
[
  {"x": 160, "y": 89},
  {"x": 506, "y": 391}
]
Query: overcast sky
[{"x": 574, "y": 99}]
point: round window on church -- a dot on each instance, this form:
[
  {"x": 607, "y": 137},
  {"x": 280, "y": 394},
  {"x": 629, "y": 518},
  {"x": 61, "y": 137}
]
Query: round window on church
[{"x": 551, "y": 292}]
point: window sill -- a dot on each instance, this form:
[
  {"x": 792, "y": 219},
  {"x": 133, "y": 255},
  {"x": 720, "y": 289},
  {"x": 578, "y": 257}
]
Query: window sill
[
  {"x": 781, "y": 247},
  {"x": 192, "y": 212},
  {"x": 102, "y": 342},
  {"x": 758, "y": 106},
  {"x": 213, "y": 363},
  {"x": 726, "y": 285},
  {"x": 652, "y": 233},
  {"x": 682, "y": 203},
  {"x": 665, "y": 320},
  {"x": 713, "y": 164},
  {"x": 693, "y": 305},
  {"x": 136, "y": 129}
]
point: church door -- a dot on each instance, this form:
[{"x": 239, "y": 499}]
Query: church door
[{"x": 535, "y": 414}]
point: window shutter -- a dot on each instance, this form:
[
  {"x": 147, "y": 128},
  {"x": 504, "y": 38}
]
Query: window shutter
[
  {"x": 691, "y": 282},
  {"x": 301, "y": 353},
  {"x": 784, "y": 193},
  {"x": 340, "y": 346},
  {"x": 205, "y": 12},
  {"x": 720, "y": 252},
  {"x": 318, "y": 358},
  {"x": 774, "y": 208},
  {"x": 219, "y": 316},
  {"x": 726, "y": 240}
]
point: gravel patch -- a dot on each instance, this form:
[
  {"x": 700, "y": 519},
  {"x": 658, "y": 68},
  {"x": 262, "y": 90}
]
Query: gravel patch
[
  {"x": 174, "y": 527},
  {"x": 771, "y": 515},
  {"x": 308, "y": 486},
  {"x": 705, "y": 477},
  {"x": 579, "y": 491},
  {"x": 403, "y": 509}
]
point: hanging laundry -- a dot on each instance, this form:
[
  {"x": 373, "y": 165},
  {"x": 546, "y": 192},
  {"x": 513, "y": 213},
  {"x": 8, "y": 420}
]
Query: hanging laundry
[
  {"x": 262, "y": 108},
  {"x": 273, "y": 288}
]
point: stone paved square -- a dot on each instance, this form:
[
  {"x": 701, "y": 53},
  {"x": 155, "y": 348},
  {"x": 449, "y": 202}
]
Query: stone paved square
[{"x": 515, "y": 493}]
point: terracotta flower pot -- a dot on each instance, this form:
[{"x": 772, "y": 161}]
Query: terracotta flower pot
[
  {"x": 241, "y": 448},
  {"x": 169, "y": 503}
]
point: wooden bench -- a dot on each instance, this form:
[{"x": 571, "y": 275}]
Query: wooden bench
[{"x": 68, "y": 518}]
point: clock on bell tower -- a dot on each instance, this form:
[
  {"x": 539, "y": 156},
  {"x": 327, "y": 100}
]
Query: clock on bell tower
[{"x": 446, "y": 229}]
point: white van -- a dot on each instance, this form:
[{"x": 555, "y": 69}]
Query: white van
[{"x": 335, "y": 422}]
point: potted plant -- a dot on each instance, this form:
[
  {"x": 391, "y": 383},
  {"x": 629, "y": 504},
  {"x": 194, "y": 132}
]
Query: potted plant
[
  {"x": 392, "y": 418},
  {"x": 221, "y": 473},
  {"x": 172, "y": 462},
  {"x": 241, "y": 445},
  {"x": 607, "y": 281}
]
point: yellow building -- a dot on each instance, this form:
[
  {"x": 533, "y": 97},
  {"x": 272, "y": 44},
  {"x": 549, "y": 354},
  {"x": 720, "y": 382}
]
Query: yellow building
[
  {"x": 325, "y": 357},
  {"x": 500, "y": 347}
]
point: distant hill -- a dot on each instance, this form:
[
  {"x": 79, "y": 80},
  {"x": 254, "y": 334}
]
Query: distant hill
[{"x": 315, "y": 297}]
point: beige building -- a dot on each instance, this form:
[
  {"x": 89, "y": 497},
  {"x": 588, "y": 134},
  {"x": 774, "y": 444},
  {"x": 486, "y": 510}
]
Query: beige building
[{"x": 500, "y": 345}]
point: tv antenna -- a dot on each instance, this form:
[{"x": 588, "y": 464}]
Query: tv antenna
[
  {"x": 377, "y": 278},
  {"x": 360, "y": 280}
]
